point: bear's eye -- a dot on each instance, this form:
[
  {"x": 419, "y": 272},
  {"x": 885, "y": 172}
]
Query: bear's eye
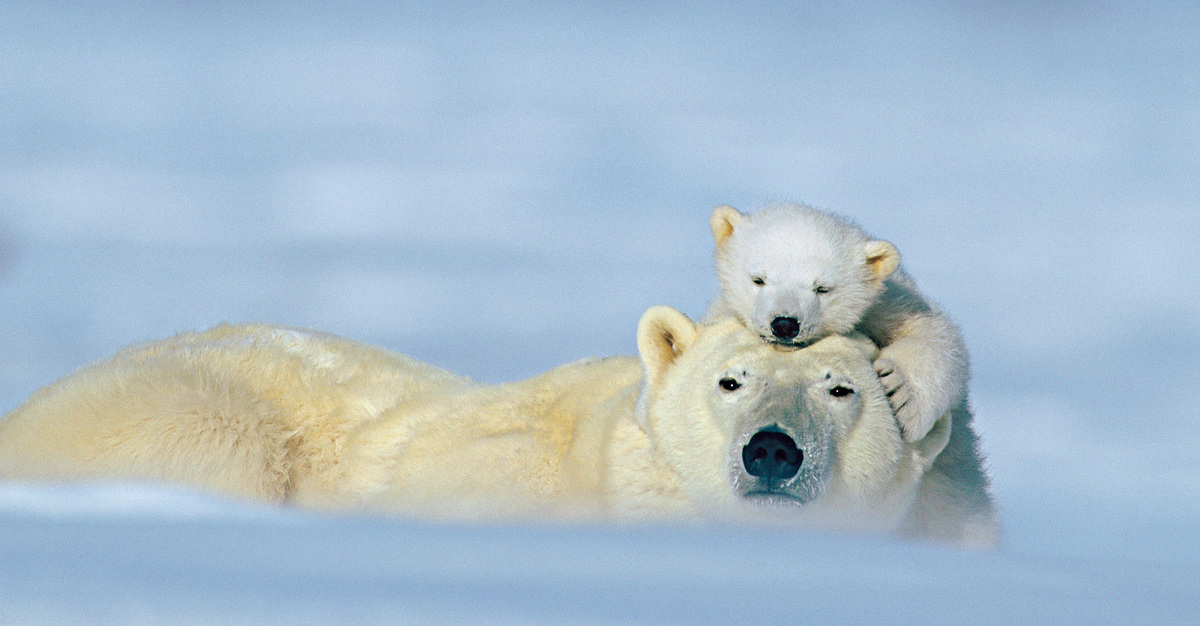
[
  {"x": 822, "y": 289},
  {"x": 840, "y": 391},
  {"x": 729, "y": 384},
  {"x": 758, "y": 280}
]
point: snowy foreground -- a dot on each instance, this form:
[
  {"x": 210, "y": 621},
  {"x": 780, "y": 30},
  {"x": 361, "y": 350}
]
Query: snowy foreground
[{"x": 125, "y": 554}]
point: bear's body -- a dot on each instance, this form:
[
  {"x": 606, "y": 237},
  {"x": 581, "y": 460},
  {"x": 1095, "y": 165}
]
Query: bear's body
[
  {"x": 251, "y": 411},
  {"x": 284, "y": 415},
  {"x": 795, "y": 274}
]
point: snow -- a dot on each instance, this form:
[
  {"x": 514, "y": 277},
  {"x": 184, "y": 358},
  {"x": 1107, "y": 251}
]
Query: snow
[
  {"x": 502, "y": 190},
  {"x": 147, "y": 568}
]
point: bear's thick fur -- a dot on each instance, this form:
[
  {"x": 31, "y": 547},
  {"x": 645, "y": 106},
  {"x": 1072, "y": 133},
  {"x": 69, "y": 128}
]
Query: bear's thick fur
[{"x": 710, "y": 423}]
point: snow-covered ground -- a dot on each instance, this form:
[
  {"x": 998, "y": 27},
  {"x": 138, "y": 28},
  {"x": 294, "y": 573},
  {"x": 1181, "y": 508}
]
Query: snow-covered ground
[{"x": 502, "y": 190}]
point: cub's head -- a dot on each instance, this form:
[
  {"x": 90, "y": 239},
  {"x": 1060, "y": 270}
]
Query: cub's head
[
  {"x": 795, "y": 274},
  {"x": 767, "y": 432}
]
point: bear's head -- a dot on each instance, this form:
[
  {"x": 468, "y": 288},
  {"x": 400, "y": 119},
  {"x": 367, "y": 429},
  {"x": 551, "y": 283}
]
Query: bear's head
[
  {"x": 795, "y": 274},
  {"x": 761, "y": 431}
]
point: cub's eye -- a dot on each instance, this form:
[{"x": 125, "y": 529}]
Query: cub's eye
[
  {"x": 840, "y": 391},
  {"x": 758, "y": 280},
  {"x": 822, "y": 289},
  {"x": 729, "y": 384}
]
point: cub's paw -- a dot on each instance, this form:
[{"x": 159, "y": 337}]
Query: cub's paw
[{"x": 901, "y": 398}]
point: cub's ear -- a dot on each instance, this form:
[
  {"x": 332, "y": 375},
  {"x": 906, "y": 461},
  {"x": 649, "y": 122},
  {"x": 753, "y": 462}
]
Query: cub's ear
[
  {"x": 883, "y": 258},
  {"x": 722, "y": 222},
  {"x": 663, "y": 335}
]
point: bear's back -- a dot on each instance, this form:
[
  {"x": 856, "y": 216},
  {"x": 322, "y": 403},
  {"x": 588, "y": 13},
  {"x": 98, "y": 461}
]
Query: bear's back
[
  {"x": 246, "y": 410},
  {"x": 530, "y": 447}
]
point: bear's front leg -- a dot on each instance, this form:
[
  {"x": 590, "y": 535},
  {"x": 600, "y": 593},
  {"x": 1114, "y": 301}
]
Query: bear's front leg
[{"x": 913, "y": 424}]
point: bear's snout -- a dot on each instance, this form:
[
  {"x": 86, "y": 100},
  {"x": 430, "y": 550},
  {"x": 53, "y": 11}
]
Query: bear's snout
[
  {"x": 772, "y": 455},
  {"x": 785, "y": 328}
]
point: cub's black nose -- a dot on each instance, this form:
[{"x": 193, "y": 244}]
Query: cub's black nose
[
  {"x": 772, "y": 455},
  {"x": 785, "y": 327}
]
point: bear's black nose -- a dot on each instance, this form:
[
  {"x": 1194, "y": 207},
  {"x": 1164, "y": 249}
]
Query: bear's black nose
[
  {"x": 785, "y": 327},
  {"x": 772, "y": 455}
]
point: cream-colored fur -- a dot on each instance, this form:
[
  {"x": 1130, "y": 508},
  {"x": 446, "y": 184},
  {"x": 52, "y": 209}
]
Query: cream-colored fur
[
  {"x": 822, "y": 275},
  {"x": 285, "y": 415},
  {"x": 251, "y": 411}
]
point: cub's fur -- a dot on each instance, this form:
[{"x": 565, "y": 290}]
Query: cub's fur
[{"x": 794, "y": 274}]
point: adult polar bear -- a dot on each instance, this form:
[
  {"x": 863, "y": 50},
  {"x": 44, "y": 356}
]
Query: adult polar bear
[{"x": 712, "y": 423}]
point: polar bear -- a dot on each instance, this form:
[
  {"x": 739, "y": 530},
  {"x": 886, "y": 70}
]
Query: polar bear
[
  {"x": 250, "y": 411},
  {"x": 709, "y": 423},
  {"x": 795, "y": 274}
]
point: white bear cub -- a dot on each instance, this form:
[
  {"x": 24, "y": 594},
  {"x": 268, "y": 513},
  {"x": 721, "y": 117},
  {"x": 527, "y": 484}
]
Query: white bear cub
[{"x": 795, "y": 274}]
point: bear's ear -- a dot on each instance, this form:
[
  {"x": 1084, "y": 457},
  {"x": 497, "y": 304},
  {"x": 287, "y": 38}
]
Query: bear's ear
[
  {"x": 883, "y": 258},
  {"x": 722, "y": 222},
  {"x": 663, "y": 334},
  {"x": 930, "y": 446}
]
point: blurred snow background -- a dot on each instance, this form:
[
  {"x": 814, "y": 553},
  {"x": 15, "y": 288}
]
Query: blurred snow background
[{"x": 500, "y": 190}]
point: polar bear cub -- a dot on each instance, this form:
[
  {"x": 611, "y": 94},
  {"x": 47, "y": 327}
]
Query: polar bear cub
[{"x": 795, "y": 274}]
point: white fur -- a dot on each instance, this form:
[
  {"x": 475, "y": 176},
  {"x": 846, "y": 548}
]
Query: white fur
[
  {"x": 792, "y": 262},
  {"x": 291, "y": 416}
]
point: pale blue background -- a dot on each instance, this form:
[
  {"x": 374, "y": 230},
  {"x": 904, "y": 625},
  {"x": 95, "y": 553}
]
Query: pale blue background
[{"x": 502, "y": 190}]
